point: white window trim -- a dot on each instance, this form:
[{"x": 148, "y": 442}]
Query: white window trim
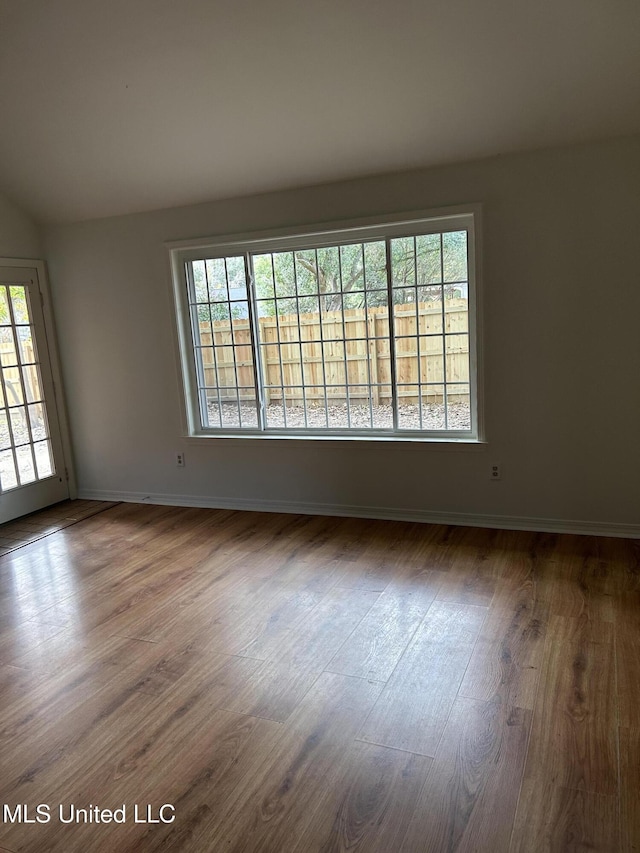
[{"x": 330, "y": 234}]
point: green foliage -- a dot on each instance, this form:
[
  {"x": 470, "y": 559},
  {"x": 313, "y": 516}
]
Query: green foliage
[
  {"x": 331, "y": 278},
  {"x": 18, "y": 297}
]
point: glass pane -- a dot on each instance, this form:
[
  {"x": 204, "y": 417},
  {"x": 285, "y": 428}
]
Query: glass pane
[
  {"x": 457, "y": 310},
  {"x": 244, "y": 366},
  {"x": 430, "y": 299},
  {"x": 360, "y": 410},
  {"x": 432, "y": 399},
  {"x": 26, "y": 344},
  {"x": 44, "y": 459},
  {"x": 212, "y": 413},
  {"x": 351, "y": 269},
  {"x": 312, "y": 363},
  {"x": 31, "y": 379},
  {"x": 13, "y": 387},
  {"x": 19, "y": 425},
  {"x": 8, "y": 354},
  {"x": 458, "y": 407},
  {"x": 375, "y": 266},
  {"x": 38, "y": 420},
  {"x": 230, "y": 409},
  {"x": 8, "y": 476},
  {"x": 199, "y": 281},
  {"x": 306, "y": 272},
  {"x": 403, "y": 262},
  {"x": 263, "y": 274},
  {"x": 26, "y": 471},
  {"x": 5, "y": 316},
  {"x": 406, "y": 361},
  {"x": 275, "y": 410},
  {"x": 284, "y": 276},
  {"x": 337, "y": 415},
  {"x": 334, "y": 363},
  {"x": 240, "y": 325},
  {"x": 428, "y": 259},
  {"x": 405, "y": 314},
  {"x": 5, "y": 435},
  {"x": 225, "y": 373},
  {"x": 20, "y": 306},
  {"x": 409, "y": 407},
  {"x": 431, "y": 360},
  {"x": 457, "y": 348},
  {"x": 216, "y": 279},
  {"x": 248, "y": 411},
  {"x": 288, "y": 327},
  {"x": 454, "y": 256},
  {"x": 294, "y": 401},
  {"x": 382, "y": 370},
  {"x": 236, "y": 278},
  {"x": 383, "y": 411},
  {"x": 357, "y": 323}
]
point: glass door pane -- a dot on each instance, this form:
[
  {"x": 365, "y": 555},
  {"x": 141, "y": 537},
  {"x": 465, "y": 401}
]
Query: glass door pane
[{"x": 31, "y": 463}]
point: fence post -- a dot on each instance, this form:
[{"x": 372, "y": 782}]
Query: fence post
[
  {"x": 373, "y": 358},
  {"x": 266, "y": 390}
]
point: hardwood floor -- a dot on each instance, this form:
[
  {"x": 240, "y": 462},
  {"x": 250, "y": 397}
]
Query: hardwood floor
[
  {"x": 294, "y": 683},
  {"x": 22, "y": 531}
]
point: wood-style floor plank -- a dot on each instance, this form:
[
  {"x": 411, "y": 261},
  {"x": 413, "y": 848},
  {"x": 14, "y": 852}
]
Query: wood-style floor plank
[
  {"x": 372, "y": 795},
  {"x": 469, "y": 799},
  {"x": 630, "y": 789},
  {"x": 574, "y": 732},
  {"x": 553, "y": 819},
  {"x": 508, "y": 655},
  {"x": 628, "y": 657},
  {"x": 414, "y": 706},
  {"x": 374, "y": 648},
  {"x": 296, "y": 683}
]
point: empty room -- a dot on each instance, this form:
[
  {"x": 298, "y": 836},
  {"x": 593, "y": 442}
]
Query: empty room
[{"x": 319, "y": 419}]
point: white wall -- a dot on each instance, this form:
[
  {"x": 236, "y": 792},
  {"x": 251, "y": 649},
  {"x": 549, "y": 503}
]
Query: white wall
[
  {"x": 19, "y": 235},
  {"x": 562, "y": 353}
]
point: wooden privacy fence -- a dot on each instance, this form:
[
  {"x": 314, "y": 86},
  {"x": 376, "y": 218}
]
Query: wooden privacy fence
[
  {"x": 11, "y": 375},
  {"x": 356, "y": 353}
]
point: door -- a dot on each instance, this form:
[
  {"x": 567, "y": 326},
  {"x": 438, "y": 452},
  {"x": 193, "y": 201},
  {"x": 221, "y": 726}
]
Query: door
[{"x": 32, "y": 466}]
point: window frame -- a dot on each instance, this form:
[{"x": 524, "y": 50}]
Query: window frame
[{"x": 467, "y": 217}]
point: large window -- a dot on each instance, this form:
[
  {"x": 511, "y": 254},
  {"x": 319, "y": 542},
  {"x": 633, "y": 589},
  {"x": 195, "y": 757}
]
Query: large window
[{"x": 357, "y": 331}]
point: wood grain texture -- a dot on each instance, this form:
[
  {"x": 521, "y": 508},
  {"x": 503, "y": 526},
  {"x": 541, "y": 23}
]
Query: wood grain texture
[
  {"x": 414, "y": 706},
  {"x": 373, "y": 794},
  {"x": 469, "y": 799},
  {"x": 508, "y": 655},
  {"x": 628, "y": 657},
  {"x": 553, "y": 819},
  {"x": 574, "y": 737},
  {"x": 296, "y": 683},
  {"x": 375, "y": 646},
  {"x": 630, "y": 789}
]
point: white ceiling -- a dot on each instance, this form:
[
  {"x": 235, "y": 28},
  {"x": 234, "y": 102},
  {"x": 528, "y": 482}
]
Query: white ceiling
[{"x": 115, "y": 106}]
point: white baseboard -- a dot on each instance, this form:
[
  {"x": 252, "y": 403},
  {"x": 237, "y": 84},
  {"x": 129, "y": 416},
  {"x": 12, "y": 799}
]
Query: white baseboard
[{"x": 505, "y": 522}]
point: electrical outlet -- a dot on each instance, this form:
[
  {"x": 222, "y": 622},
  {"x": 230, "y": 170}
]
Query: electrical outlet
[
  {"x": 180, "y": 459},
  {"x": 496, "y": 471}
]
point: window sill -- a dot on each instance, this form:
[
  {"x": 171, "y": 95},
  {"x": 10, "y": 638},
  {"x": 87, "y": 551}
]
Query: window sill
[{"x": 466, "y": 443}]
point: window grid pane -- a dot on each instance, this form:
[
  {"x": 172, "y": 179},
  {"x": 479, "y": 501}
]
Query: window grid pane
[
  {"x": 334, "y": 352},
  {"x": 222, "y": 342},
  {"x": 25, "y": 449},
  {"x": 430, "y": 352}
]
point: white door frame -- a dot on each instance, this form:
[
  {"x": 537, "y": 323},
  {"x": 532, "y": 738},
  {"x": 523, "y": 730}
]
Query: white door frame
[{"x": 54, "y": 360}]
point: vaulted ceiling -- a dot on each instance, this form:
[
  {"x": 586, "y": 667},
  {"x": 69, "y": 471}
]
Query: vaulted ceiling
[{"x": 115, "y": 106}]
